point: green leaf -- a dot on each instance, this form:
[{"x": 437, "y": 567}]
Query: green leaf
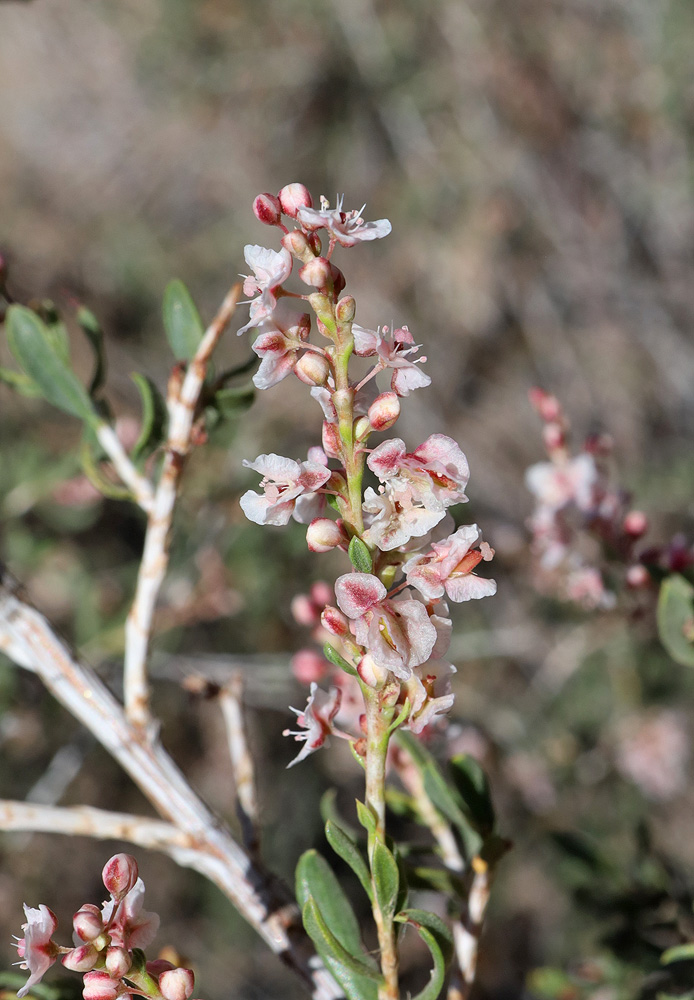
[
  {"x": 366, "y": 817},
  {"x": 359, "y": 555},
  {"x": 32, "y": 348},
  {"x": 154, "y": 416},
  {"x": 437, "y": 937},
  {"x": 20, "y": 382},
  {"x": 315, "y": 878},
  {"x": 233, "y": 402},
  {"x": 184, "y": 329},
  {"x": 92, "y": 330},
  {"x": 329, "y": 811},
  {"x": 676, "y": 619},
  {"x": 332, "y": 654},
  {"x": 386, "y": 878},
  {"x": 345, "y": 847},
  {"x": 680, "y": 953},
  {"x": 438, "y": 879},
  {"x": 358, "y": 979},
  {"x": 442, "y": 795},
  {"x": 473, "y": 788}
]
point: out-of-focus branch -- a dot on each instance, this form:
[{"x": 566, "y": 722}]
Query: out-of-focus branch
[
  {"x": 182, "y": 403},
  {"x": 230, "y": 701},
  {"x": 28, "y": 639}
]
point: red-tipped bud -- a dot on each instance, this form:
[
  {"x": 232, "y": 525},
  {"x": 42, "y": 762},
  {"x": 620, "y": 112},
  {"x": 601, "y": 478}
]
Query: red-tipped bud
[
  {"x": 337, "y": 278},
  {"x": 321, "y": 593},
  {"x": 345, "y": 309},
  {"x": 120, "y": 874},
  {"x": 315, "y": 244},
  {"x": 292, "y": 197},
  {"x": 334, "y": 621},
  {"x": 309, "y": 666},
  {"x": 547, "y": 406},
  {"x": 384, "y": 411},
  {"x": 638, "y": 577},
  {"x": 267, "y": 209},
  {"x": 317, "y": 272},
  {"x": 87, "y": 922},
  {"x": 81, "y": 959},
  {"x": 118, "y": 962},
  {"x": 371, "y": 673},
  {"x": 635, "y": 523},
  {"x": 323, "y": 534},
  {"x": 304, "y": 610},
  {"x": 98, "y": 985},
  {"x": 177, "y": 984},
  {"x": 298, "y": 245},
  {"x": 312, "y": 369},
  {"x": 332, "y": 445},
  {"x": 553, "y": 436},
  {"x": 157, "y": 966}
]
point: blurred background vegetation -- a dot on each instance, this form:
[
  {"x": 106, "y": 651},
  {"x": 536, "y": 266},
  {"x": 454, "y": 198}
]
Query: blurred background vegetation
[{"x": 536, "y": 160}]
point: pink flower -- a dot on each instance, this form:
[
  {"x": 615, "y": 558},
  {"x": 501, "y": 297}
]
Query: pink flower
[
  {"x": 283, "y": 482},
  {"x": 399, "y": 635},
  {"x": 348, "y": 228},
  {"x": 393, "y": 350},
  {"x": 270, "y": 268},
  {"x": 37, "y": 951},
  {"x": 436, "y": 472},
  {"x": 557, "y": 484},
  {"x": 127, "y": 923},
  {"x": 310, "y": 506},
  {"x": 449, "y": 566},
  {"x": 279, "y": 351},
  {"x": 429, "y": 691},
  {"x": 394, "y": 517},
  {"x": 98, "y": 985},
  {"x": 316, "y": 719}
]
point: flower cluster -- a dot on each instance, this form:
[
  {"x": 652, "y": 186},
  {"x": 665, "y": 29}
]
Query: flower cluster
[
  {"x": 107, "y": 943},
  {"x": 388, "y": 629}
]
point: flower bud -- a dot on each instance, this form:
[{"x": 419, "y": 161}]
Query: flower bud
[
  {"x": 98, "y": 985},
  {"x": 638, "y": 577},
  {"x": 304, "y": 610},
  {"x": 345, "y": 309},
  {"x": 120, "y": 874},
  {"x": 323, "y": 534},
  {"x": 312, "y": 369},
  {"x": 159, "y": 965},
  {"x": 546, "y": 405},
  {"x": 337, "y": 278},
  {"x": 371, "y": 672},
  {"x": 298, "y": 245},
  {"x": 321, "y": 593},
  {"x": 334, "y": 621},
  {"x": 309, "y": 666},
  {"x": 267, "y": 209},
  {"x": 81, "y": 959},
  {"x": 332, "y": 445},
  {"x": 362, "y": 428},
  {"x": 176, "y": 984},
  {"x": 384, "y": 411},
  {"x": 635, "y": 523},
  {"x": 317, "y": 272},
  {"x": 553, "y": 437},
  {"x": 323, "y": 308},
  {"x": 87, "y": 922},
  {"x": 118, "y": 962},
  {"x": 292, "y": 197}
]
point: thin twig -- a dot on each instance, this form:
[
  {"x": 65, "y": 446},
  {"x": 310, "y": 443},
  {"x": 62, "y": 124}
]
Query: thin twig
[
  {"x": 231, "y": 703},
  {"x": 467, "y": 930},
  {"x": 28, "y": 639},
  {"x": 139, "y": 485},
  {"x": 155, "y": 556}
]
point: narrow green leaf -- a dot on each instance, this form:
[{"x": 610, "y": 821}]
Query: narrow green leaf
[
  {"x": 316, "y": 879},
  {"x": 359, "y": 555},
  {"x": 473, "y": 788},
  {"x": 366, "y": 817},
  {"x": 438, "y": 879},
  {"x": 55, "y": 330},
  {"x": 386, "y": 878},
  {"x": 345, "y": 848},
  {"x": 20, "y": 382},
  {"x": 329, "y": 811},
  {"x": 31, "y": 346},
  {"x": 154, "y": 416},
  {"x": 243, "y": 369},
  {"x": 680, "y": 953},
  {"x": 232, "y": 402},
  {"x": 92, "y": 330},
  {"x": 356, "y": 977},
  {"x": 332, "y": 654},
  {"x": 437, "y": 937},
  {"x": 676, "y": 619},
  {"x": 184, "y": 329}
]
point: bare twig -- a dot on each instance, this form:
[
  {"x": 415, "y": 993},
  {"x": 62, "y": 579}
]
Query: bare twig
[
  {"x": 230, "y": 701},
  {"x": 28, "y": 639},
  {"x": 139, "y": 485},
  {"x": 467, "y": 930},
  {"x": 182, "y": 403}
]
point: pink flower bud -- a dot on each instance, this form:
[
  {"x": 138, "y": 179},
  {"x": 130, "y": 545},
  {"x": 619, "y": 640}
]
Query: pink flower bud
[
  {"x": 157, "y": 966},
  {"x": 292, "y": 197},
  {"x": 321, "y": 593},
  {"x": 309, "y": 666},
  {"x": 304, "y": 610},
  {"x": 298, "y": 245},
  {"x": 118, "y": 962},
  {"x": 98, "y": 985},
  {"x": 323, "y": 534},
  {"x": 553, "y": 436},
  {"x": 87, "y": 922},
  {"x": 334, "y": 621},
  {"x": 176, "y": 984},
  {"x": 267, "y": 209},
  {"x": 312, "y": 369},
  {"x": 337, "y": 278},
  {"x": 318, "y": 273},
  {"x": 120, "y": 874},
  {"x": 362, "y": 428},
  {"x": 546, "y": 405},
  {"x": 384, "y": 411},
  {"x": 81, "y": 959},
  {"x": 345, "y": 309},
  {"x": 332, "y": 445},
  {"x": 635, "y": 523},
  {"x": 371, "y": 673},
  {"x": 637, "y": 577}
]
